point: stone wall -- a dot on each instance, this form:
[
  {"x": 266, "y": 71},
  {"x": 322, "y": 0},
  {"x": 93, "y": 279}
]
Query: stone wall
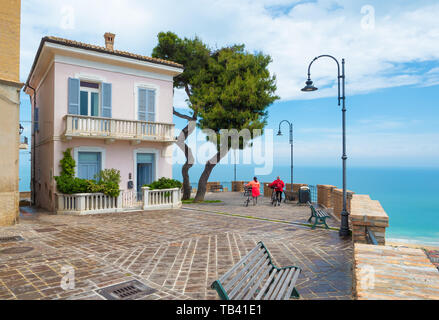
[
  {"x": 10, "y": 14},
  {"x": 210, "y": 184},
  {"x": 296, "y": 187},
  {"x": 238, "y": 186},
  {"x": 368, "y": 213},
  {"x": 332, "y": 198},
  {"x": 9, "y": 145},
  {"x": 364, "y": 212},
  {"x": 324, "y": 195},
  {"x": 337, "y": 201}
]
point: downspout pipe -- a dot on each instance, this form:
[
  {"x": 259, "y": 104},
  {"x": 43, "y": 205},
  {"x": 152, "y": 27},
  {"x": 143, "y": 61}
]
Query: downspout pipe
[{"x": 34, "y": 105}]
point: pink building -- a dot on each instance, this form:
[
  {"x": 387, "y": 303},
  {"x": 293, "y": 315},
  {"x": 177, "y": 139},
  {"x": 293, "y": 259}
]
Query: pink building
[{"x": 112, "y": 108}]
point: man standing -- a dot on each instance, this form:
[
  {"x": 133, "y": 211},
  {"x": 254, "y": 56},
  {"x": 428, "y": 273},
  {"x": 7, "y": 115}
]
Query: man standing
[{"x": 278, "y": 186}]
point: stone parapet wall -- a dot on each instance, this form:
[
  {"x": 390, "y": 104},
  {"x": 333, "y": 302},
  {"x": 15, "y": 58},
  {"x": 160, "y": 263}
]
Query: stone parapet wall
[
  {"x": 324, "y": 195},
  {"x": 332, "y": 198},
  {"x": 368, "y": 213},
  {"x": 296, "y": 187},
  {"x": 210, "y": 184},
  {"x": 238, "y": 186},
  {"x": 337, "y": 201}
]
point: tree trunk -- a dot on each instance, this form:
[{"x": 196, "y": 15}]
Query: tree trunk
[
  {"x": 202, "y": 183},
  {"x": 186, "y": 181},
  {"x": 185, "y": 133}
]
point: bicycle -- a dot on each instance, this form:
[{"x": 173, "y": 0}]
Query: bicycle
[
  {"x": 248, "y": 194},
  {"x": 274, "y": 199}
]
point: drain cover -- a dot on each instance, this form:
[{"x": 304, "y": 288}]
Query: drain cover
[
  {"x": 290, "y": 229},
  {"x": 46, "y": 230},
  {"x": 126, "y": 291},
  {"x": 16, "y": 250},
  {"x": 11, "y": 239}
]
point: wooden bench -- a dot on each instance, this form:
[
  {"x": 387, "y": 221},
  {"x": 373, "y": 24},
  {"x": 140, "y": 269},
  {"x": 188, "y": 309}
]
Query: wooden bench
[
  {"x": 320, "y": 216},
  {"x": 216, "y": 188},
  {"x": 255, "y": 277}
]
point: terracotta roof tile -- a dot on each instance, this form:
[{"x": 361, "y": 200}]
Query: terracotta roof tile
[{"x": 82, "y": 45}]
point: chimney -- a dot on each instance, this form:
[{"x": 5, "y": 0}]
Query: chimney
[{"x": 109, "y": 40}]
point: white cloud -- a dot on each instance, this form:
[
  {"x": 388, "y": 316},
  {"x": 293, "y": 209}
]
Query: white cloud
[{"x": 292, "y": 32}]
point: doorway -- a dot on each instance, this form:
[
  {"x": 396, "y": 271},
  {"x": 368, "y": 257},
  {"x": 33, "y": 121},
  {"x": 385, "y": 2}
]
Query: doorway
[{"x": 145, "y": 165}]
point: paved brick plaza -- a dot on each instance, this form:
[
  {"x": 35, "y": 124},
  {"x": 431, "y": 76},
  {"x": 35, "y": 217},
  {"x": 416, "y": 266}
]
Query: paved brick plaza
[{"x": 179, "y": 253}]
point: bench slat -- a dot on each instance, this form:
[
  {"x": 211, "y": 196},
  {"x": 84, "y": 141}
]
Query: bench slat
[
  {"x": 285, "y": 284},
  {"x": 254, "y": 276},
  {"x": 236, "y": 266},
  {"x": 279, "y": 284},
  {"x": 274, "y": 284},
  {"x": 292, "y": 285},
  {"x": 254, "y": 260},
  {"x": 267, "y": 283},
  {"x": 249, "y": 274},
  {"x": 258, "y": 283}
]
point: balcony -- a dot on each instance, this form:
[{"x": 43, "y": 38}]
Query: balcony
[{"x": 117, "y": 129}]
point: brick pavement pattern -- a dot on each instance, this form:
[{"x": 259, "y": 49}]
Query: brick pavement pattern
[
  {"x": 179, "y": 253},
  {"x": 394, "y": 273}
]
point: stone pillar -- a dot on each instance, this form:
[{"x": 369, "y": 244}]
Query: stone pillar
[
  {"x": 145, "y": 191},
  {"x": 368, "y": 213},
  {"x": 337, "y": 201},
  {"x": 324, "y": 195},
  {"x": 238, "y": 186},
  {"x": 267, "y": 190}
]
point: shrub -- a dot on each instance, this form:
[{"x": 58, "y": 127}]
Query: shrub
[
  {"x": 67, "y": 183},
  {"x": 107, "y": 181},
  {"x": 165, "y": 183}
]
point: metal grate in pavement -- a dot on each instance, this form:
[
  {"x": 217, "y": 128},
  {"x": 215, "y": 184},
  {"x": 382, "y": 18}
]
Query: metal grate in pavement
[{"x": 130, "y": 290}]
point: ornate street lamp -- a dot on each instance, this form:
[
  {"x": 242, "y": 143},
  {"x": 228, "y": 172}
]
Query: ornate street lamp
[
  {"x": 344, "y": 229},
  {"x": 20, "y": 129},
  {"x": 291, "y": 144}
]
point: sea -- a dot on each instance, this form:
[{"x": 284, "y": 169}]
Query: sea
[{"x": 408, "y": 195}]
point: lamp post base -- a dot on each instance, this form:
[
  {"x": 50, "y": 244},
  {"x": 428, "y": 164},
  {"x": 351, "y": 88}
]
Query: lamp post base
[{"x": 344, "y": 229}]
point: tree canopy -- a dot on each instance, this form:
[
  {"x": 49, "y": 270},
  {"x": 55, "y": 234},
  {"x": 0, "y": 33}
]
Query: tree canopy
[{"x": 228, "y": 88}]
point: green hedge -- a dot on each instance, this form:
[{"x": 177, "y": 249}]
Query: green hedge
[
  {"x": 107, "y": 181},
  {"x": 164, "y": 183}
]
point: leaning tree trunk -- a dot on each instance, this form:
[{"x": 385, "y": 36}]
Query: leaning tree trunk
[
  {"x": 202, "y": 182},
  {"x": 185, "y": 133}
]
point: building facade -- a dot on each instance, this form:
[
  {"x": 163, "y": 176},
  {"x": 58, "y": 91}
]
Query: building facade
[
  {"x": 10, "y": 11},
  {"x": 113, "y": 109}
]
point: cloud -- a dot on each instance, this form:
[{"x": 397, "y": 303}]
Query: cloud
[{"x": 292, "y": 32}]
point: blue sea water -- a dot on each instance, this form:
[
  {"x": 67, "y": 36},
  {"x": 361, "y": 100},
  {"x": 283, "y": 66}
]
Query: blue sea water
[{"x": 408, "y": 195}]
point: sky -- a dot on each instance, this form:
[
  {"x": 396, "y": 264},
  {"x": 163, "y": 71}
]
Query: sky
[{"x": 392, "y": 64}]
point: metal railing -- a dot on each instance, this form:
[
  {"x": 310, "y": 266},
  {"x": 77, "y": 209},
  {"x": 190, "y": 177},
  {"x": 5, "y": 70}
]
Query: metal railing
[
  {"x": 370, "y": 236},
  {"x": 313, "y": 191}
]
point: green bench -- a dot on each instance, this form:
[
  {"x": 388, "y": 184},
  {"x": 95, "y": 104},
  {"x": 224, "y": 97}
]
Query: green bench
[
  {"x": 255, "y": 277},
  {"x": 320, "y": 216}
]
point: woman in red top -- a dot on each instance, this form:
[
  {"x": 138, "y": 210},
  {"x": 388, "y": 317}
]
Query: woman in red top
[
  {"x": 256, "y": 189},
  {"x": 278, "y": 186}
]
